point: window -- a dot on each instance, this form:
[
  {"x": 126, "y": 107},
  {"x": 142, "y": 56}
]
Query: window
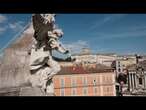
[
  {"x": 140, "y": 81},
  {"x": 62, "y": 92},
  {"x": 97, "y": 79},
  {"x": 74, "y": 91},
  {"x": 62, "y": 83},
  {"x": 108, "y": 89},
  {"x": 94, "y": 81},
  {"x": 103, "y": 79},
  {"x": 119, "y": 70},
  {"x": 110, "y": 79},
  {"x": 85, "y": 81},
  {"x": 119, "y": 66},
  {"x": 95, "y": 90},
  {"x": 74, "y": 82},
  {"x": 119, "y": 63},
  {"x": 85, "y": 91}
]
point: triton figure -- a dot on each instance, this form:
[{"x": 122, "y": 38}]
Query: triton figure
[{"x": 42, "y": 65}]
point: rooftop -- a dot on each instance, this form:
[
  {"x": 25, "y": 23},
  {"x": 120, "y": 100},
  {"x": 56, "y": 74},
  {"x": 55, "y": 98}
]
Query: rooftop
[
  {"x": 141, "y": 64},
  {"x": 84, "y": 70}
]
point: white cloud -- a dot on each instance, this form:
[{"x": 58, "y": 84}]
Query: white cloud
[
  {"x": 106, "y": 19},
  {"x": 136, "y": 28},
  {"x": 2, "y": 18},
  {"x": 135, "y": 32},
  {"x": 121, "y": 32},
  {"x": 17, "y": 26},
  {"x": 2, "y": 29},
  {"x": 76, "y": 47}
]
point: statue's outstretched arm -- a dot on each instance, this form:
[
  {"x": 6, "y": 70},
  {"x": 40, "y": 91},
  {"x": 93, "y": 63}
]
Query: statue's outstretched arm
[{"x": 54, "y": 44}]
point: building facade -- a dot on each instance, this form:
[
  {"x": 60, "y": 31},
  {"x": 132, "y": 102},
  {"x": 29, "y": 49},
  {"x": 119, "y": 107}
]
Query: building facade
[
  {"x": 123, "y": 62},
  {"x": 82, "y": 83},
  {"x": 136, "y": 80},
  {"x": 85, "y": 58},
  {"x": 105, "y": 59},
  {"x": 88, "y": 58}
]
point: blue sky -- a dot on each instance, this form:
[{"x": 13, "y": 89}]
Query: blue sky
[{"x": 102, "y": 33}]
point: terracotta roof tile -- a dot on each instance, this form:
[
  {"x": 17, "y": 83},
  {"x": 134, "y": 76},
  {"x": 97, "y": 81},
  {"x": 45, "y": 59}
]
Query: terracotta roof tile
[{"x": 82, "y": 70}]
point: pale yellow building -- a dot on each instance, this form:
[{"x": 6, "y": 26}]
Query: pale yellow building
[
  {"x": 127, "y": 60},
  {"x": 105, "y": 59}
]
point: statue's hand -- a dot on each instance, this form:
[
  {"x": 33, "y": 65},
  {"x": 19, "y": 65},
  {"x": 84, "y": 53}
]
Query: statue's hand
[
  {"x": 73, "y": 59},
  {"x": 66, "y": 52},
  {"x": 70, "y": 59}
]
